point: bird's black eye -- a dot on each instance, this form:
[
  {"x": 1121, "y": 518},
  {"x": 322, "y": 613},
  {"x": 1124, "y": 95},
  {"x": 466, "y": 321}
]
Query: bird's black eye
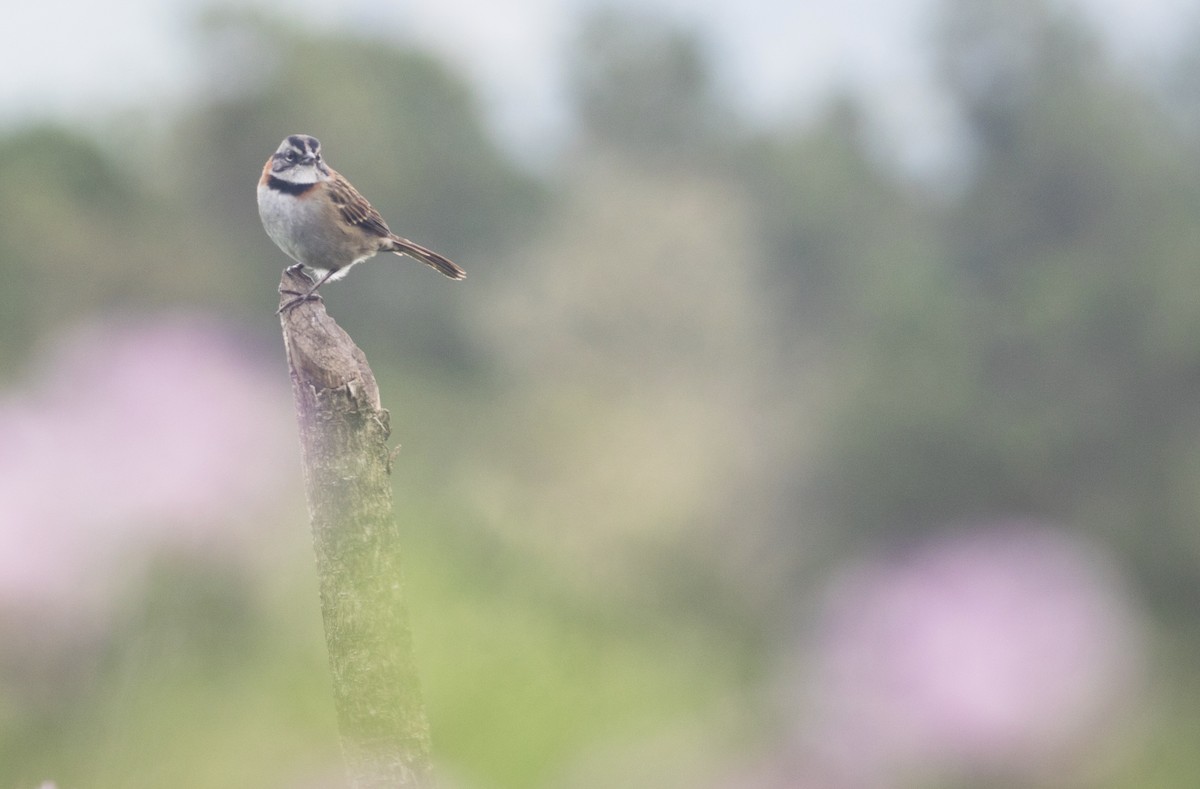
[{"x": 290, "y": 156}]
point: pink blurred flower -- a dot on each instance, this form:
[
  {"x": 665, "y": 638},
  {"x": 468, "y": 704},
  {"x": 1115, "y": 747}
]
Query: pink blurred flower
[
  {"x": 133, "y": 437},
  {"x": 1006, "y": 650}
]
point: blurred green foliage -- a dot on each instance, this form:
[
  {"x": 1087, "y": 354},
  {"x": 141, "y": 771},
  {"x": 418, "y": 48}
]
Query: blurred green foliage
[{"x": 691, "y": 366}]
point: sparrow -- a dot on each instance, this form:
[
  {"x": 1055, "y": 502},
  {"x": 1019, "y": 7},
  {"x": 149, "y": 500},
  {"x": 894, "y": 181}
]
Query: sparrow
[{"x": 315, "y": 216}]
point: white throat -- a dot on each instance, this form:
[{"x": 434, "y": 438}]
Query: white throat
[{"x": 300, "y": 174}]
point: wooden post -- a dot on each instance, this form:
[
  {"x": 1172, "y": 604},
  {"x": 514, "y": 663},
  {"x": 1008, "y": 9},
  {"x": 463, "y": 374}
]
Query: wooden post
[{"x": 343, "y": 437}]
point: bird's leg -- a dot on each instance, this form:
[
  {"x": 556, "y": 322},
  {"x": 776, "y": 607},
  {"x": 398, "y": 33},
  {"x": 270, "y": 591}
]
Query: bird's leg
[
  {"x": 309, "y": 295},
  {"x": 296, "y": 269}
]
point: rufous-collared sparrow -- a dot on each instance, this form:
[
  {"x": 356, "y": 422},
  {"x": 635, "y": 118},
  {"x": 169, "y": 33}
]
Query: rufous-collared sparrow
[{"x": 322, "y": 222}]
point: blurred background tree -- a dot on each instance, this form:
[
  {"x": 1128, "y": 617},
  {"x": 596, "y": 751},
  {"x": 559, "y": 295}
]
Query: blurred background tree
[{"x": 723, "y": 409}]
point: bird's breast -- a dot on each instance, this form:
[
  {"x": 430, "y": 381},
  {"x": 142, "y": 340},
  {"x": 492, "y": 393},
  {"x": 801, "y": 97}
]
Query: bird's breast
[{"x": 308, "y": 230}]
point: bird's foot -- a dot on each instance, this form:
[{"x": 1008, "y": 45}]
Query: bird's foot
[{"x": 298, "y": 299}]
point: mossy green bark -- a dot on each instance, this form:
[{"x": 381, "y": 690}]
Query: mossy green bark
[{"x": 343, "y": 436}]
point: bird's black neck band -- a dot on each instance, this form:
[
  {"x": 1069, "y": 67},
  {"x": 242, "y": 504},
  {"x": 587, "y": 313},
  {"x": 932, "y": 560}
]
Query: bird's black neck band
[{"x": 288, "y": 187}]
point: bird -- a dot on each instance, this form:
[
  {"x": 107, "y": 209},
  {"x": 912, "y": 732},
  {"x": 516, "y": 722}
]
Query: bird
[{"x": 321, "y": 221}]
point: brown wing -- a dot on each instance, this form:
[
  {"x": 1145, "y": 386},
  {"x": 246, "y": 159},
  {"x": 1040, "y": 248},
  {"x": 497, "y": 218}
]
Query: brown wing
[{"x": 355, "y": 208}]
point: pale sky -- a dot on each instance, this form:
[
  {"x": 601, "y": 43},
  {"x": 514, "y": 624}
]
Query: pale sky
[{"x": 80, "y": 60}]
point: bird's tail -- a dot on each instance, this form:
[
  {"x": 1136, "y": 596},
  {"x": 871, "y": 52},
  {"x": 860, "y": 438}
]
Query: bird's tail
[{"x": 402, "y": 246}]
